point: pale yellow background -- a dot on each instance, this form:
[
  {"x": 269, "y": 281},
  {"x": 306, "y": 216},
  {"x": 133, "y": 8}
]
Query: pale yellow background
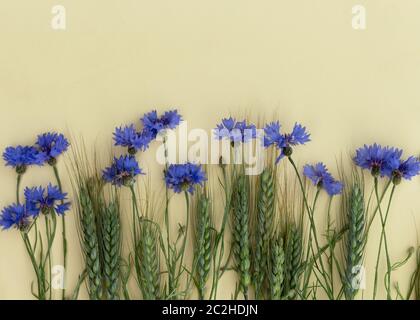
[{"x": 300, "y": 59}]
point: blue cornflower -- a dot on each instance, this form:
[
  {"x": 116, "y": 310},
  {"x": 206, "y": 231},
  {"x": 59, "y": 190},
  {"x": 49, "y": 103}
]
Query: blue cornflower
[
  {"x": 171, "y": 119},
  {"x": 381, "y": 161},
  {"x": 284, "y": 142},
  {"x": 21, "y": 157},
  {"x": 297, "y": 136},
  {"x": 52, "y": 145},
  {"x": 41, "y": 200},
  {"x": 321, "y": 178},
  {"x": 15, "y": 215},
  {"x": 235, "y": 131},
  {"x": 123, "y": 171},
  {"x": 184, "y": 177},
  {"x": 128, "y": 137},
  {"x": 406, "y": 169},
  {"x": 272, "y": 135},
  {"x": 153, "y": 124}
]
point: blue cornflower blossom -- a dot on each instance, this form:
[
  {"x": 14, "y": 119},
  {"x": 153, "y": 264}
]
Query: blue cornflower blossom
[
  {"x": 235, "y": 131},
  {"x": 15, "y": 215},
  {"x": 284, "y": 142},
  {"x": 52, "y": 145},
  {"x": 153, "y": 124},
  {"x": 128, "y": 137},
  {"x": 321, "y": 178},
  {"x": 21, "y": 157},
  {"x": 406, "y": 169},
  {"x": 381, "y": 161},
  {"x": 45, "y": 200},
  {"x": 184, "y": 177},
  {"x": 123, "y": 171},
  {"x": 170, "y": 119}
]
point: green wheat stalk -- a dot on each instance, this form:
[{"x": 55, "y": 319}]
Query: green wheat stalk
[
  {"x": 265, "y": 215},
  {"x": 355, "y": 241},
  {"x": 293, "y": 261},
  {"x": 90, "y": 245},
  {"x": 240, "y": 229},
  {"x": 203, "y": 245},
  {"x": 276, "y": 268},
  {"x": 147, "y": 260},
  {"x": 111, "y": 245}
]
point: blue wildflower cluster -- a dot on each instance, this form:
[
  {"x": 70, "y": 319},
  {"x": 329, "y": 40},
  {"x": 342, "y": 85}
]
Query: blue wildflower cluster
[
  {"x": 51, "y": 145},
  {"x": 21, "y": 157},
  {"x": 17, "y": 216},
  {"x": 284, "y": 141},
  {"x": 235, "y": 131},
  {"x": 154, "y": 124},
  {"x": 321, "y": 178},
  {"x": 46, "y": 200},
  {"x": 135, "y": 141},
  {"x": 184, "y": 177},
  {"x": 122, "y": 171},
  {"x": 45, "y": 150},
  {"x": 37, "y": 200},
  {"x": 386, "y": 162}
]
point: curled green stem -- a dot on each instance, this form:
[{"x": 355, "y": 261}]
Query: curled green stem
[{"x": 63, "y": 234}]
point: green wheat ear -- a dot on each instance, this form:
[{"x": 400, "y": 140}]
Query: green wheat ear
[
  {"x": 276, "y": 268},
  {"x": 265, "y": 213},
  {"x": 355, "y": 241},
  {"x": 90, "y": 245},
  {"x": 293, "y": 261},
  {"x": 147, "y": 260},
  {"x": 203, "y": 244},
  {"x": 240, "y": 226},
  {"x": 111, "y": 245}
]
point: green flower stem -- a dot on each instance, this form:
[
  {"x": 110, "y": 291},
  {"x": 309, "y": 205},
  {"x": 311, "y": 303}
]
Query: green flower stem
[
  {"x": 383, "y": 238},
  {"x": 377, "y": 206},
  {"x": 40, "y": 281},
  {"x": 308, "y": 251},
  {"x": 18, "y": 182},
  {"x": 168, "y": 246},
  {"x": 167, "y": 226},
  {"x": 184, "y": 241},
  {"x": 217, "y": 258},
  {"x": 63, "y": 234},
  {"x": 136, "y": 213},
  {"x": 386, "y": 244},
  {"x": 331, "y": 247},
  {"x": 311, "y": 219},
  {"x": 48, "y": 256}
]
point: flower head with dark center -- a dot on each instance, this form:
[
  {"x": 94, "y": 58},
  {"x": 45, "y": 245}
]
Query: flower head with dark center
[
  {"x": 128, "y": 137},
  {"x": 46, "y": 200},
  {"x": 284, "y": 142},
  {"x": 406, "y": 169},
  {"x": 153, "y": 124},
  {"x": 52, "y": 145},
  {"x": 381, "y": 161},
  {"x": 321, "y": 178},
  {"x": 21, "y": 157},
  {"x": 15, "y": 216},
  {"x": 171, "y": 119},
  {"x": 184, "y": 177},
  {"x": 122, "y": 171},
  {"x": 272, "y": 135},
  {"x": 298, "y": 136},
  {"x": 235, "y": 131}
]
